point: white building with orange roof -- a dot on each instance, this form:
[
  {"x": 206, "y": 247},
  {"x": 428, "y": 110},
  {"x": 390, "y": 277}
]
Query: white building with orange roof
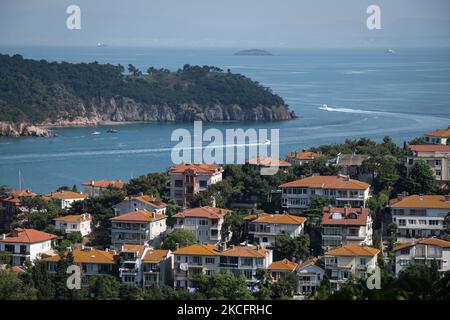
[
  {"x": 194, "y": 260},
  {"x": 157, "y": 268},
  {"x": 137, "y": 227},
  {"x": 142, "y": 202},
  {"x": 439, "y": 136},
  {"x": 423, "y": 251},
  {"x": 346, "y": 225},
  {"x": 92, "y": 262},
  {"x": 64, "y": 198},
  {"x": 436, "y": 156},
  {"x": 94, "y": 188},
  {"x": 266, "y": 227},
  {"x": 421, "y": 215},
  {"x": 188, "y": 179},
  {"x": 277, "y": 269},
  {"x": 205, "y": 222},
  {"x": 349, "y": 260},
  {"x": 11, "y": 202},
  {"x": 75, "y": 223},
  {"x": 130, "y": 269},
  {"x": 25, "y": 244},
  {"x": 302, "y": 157},
  {"x": 310, "y": 273},
  {"x": 245, "y": 260},
  {"x": 339, "y": 190}
]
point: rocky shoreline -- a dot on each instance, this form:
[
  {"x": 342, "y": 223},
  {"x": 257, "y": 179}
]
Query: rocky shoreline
[{"x": 125, "y": 110}]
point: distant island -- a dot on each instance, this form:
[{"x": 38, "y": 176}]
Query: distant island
[
  {"x": 253, "y": 52},
  {"x": 36, "y": 94}
]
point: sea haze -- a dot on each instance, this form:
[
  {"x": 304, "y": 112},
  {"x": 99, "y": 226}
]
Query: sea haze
[{"x": 369, "y": 93}]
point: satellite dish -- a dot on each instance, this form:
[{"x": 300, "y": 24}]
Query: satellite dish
[{"x": 184, "y": 266}]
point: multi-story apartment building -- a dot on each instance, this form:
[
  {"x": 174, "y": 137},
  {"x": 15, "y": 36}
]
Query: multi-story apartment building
[
  {"x": 137, "y": 227},
  {"x": 25, "y": 244},
  {"x": 245, "y": 260},
  {"x": 193, "y": 260},
  {"x": 339, "y": 190},
  {"x": 436, "y": 156},
  {"x": 91, "y": 261},
  {"x": 141, "y": 202},
  {"x": 95, "y": 188},
  {"x": 75, "y": 223},
  {"x": 205, "y": 222},
  {"x": 424, "y": 251},
  {"x": 265, "y": 227},
  {"x": 188, "y": 179},
  {"x": 157, "y": 268},
  {"x": 351, "y": 165},
  {"x": 64, "y": 198},
  {"x": 130, "y": 269},
  {"x": 301, "y": 157},
  {"x": 440, "y": 136},
  {"x": 349, "y": 260},
  {"x": 421, "y": 215},
  {"x": 310, "y": 273},
  {"x": 346, "y": 225},
  {"x": 208, "y": 259}
]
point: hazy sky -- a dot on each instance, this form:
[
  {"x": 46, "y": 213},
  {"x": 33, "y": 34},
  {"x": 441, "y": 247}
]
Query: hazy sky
[{"x": 225, "y": 23}]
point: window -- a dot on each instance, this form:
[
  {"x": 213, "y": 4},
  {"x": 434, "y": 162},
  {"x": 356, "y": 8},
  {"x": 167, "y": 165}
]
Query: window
[
  {"x": 178, "y": 183},
  {"x": 209, "y": 260},
  {"x": 196, "y": 260},
  {"x": 411, "y": 221},
  {"x": 434, "y": 222},
  {"x": 404, "y": 251},
  {"x": 401, "y": 222},
  {"x": 422, "y": 221},
  {"x": 362, "y": 261},
  {"x": 203, "y": 222},
  {"x": 203, "y": 183},
  {"x": 437, "y": 172},
  {"x": 437, "y": 162},
  {"x": 247, "y": 261},
  {"x": 264, "y": 239}
]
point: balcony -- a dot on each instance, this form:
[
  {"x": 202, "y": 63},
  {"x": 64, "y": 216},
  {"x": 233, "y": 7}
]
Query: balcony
[{"x": 362, "y": 267}]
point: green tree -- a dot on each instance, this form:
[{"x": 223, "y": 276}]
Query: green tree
[
  {"x": 13, "y": 288},
  {"x": 104, "y": 287},
  {"x": 234, "y": 222},
  {"x": 285, "y": 287},
  {"x": 181, "y": 237},
  {"x": 151, "y": 184},
  {"x": 223, "y": 285},
  {"x": 291, "y": 248}
]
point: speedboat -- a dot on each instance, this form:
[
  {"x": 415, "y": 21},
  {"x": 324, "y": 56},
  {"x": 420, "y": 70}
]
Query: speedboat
[
  {"x": 325, "y": 107},
  {"x": 96, "y": 133}
]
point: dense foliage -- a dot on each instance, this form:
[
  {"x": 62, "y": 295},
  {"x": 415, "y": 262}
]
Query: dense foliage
[{"x": 35, "y": 91}]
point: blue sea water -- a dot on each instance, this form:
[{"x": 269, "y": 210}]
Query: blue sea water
[{"x": 371, "y": 94}]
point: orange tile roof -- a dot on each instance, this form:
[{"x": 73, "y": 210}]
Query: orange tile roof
[
  {"x": 105, "y": 183},
  {"x": 157, "y": 203},
  {"x": 20, "y": 235},
  {"x": 13, "y": 196},
  {"x": 347, "y": 218},
  {"x": 427, "y": 241},
  {"x": 327, "y": 182},
  {"x": 87, "y": 256},
  {"x": 197, "y": 250},
  {"x": 429, "y": 148},
  {"x": 133, "y": 248},
  {"x": 16, "y": 269},
  {"x": 197, "y": 168},
  {"x": 441, "y": 133},
  {"x": 267, "y": 162},
  {"x": 67, "y": 195},
  {"x": 421, "y": 201},
  {"x": 202, "y": 212},
  {"x": 305, "y": 155},
  {"x": 155, "y": 256},
  {"x": 240, "y": 251},
  {"x": 284, "y": 264},
  {"x": 280, "y": 219},
  {"x": 353, "y": 250},
  {"x": 139, "y": 216},
  {"x": 75, "y": 218}
]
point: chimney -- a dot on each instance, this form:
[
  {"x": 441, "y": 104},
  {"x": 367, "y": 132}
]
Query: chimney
[
  {"x": 421, "y": 197},
  {"x": 346, "y": 209},
  {"x": 154, "y": 214},
  {"x": 136, "y": 209},
  {"x": 141, "y": 194},
  {"x": 107, "y": 250},
  {"x": 82, "y": 247},
  {"x": 92, "y": 182},
  {"x": 69, "y": 249},
  {"x": 3, "y": 236},
  {"x": 177, "y": 246}
]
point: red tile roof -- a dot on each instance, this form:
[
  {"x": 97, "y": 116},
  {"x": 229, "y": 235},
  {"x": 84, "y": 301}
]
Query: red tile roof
[
  {"x": 139, "y": 216},
  {"x": 197, "y": 250},
  {"x": 197, "y": 168},
  {"x": 155, "y": 256},
  {"x": 20, "y": 235},
  {"x": 305, "y": 155},
  {"x": 267, "y": 162},
  {"x": 105, "y": 183},
  {"x": 241, "y": 251},
  {"x": 427, "y": 241},
  {"x": 349, "y": 216},
  {"x": 353, "y": 250},
  {"x": 202, "y": 212},
  {"x": 328, "y": 182},
  {"x": 284, "y": 265},
  {"x": 157, "y": 203},
  {"x": 67, "y": 195},
  {"x": 429, "y": 148},
  {"x": 279, "y": 219}
]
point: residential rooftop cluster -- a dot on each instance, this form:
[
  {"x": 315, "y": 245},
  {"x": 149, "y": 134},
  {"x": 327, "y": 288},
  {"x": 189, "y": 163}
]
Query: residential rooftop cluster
[{"x": 331, "y": 215}]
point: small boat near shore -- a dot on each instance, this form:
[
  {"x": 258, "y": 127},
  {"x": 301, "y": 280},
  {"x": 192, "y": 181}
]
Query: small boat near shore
[
  {"x": 112, "y": 131},
  {"x": 95, "y": 133}
]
